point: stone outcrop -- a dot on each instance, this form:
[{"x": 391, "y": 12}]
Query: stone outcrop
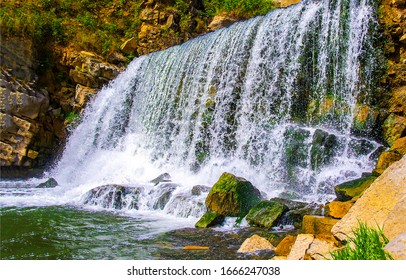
[
  {"x": 382, "y": 204},
  {"x": 338, "y": 209},
  {"x": 26, "y": 130},
  {"x": 33, "y": 107},
  {"x": 255, "y": 243},
  {"x": 394, "y": 154}
]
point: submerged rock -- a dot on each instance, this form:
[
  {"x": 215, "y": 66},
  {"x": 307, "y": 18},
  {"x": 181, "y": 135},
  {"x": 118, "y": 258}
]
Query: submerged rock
[
  {"x": 210, "y": 219},
  {"x": 353, "y": 188},
  {"x": 50, "y": 183},
  {"x": 232, "y": 196},
  {"x": 265, "y": 213}
]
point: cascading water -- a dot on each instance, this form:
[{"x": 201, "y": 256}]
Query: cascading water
[{"x": 271, "y": 99}]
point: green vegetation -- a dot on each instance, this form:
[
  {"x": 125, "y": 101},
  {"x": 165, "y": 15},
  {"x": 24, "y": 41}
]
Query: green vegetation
[
  {"x": 102, "y": 25},
  {"x": 367, "y": 244},
  {"x": 93, "y": 25},
  {"x": 71, "y": 117},
  {"x": 239, "y": 8}
]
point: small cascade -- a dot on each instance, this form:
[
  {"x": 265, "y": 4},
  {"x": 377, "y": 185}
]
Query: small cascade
[{"x": 271, "y": 99}]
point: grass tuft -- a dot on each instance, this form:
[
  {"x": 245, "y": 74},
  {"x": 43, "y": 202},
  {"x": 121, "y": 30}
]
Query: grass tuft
[{"x": 367, "y": 244}]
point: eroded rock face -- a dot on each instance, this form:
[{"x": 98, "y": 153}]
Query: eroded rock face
[
  {"x": 397, "y": 247},
  {"x": 383, "y": 204}
]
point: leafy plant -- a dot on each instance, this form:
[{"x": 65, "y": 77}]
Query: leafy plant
[
  {"x": 71, "y": 117},
  {"x": 367, "y": 244}
]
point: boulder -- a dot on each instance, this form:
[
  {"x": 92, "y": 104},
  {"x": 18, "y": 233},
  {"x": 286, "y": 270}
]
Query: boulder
[
  {"x": 397, "y": 247},
  {"x": 164, "y": 193},
  {"x": 50, "y": 183},
  {"x": 385, "y": 160},
  {"x": 210, "y": 219},
  {"x": 348, "y": 190},
  {"x": 337, "y": 209},
  {"x": 394, "y": 128},
  {"x": 114, "y": 197},
  {"x": 320, "y": 249},
  {"x": 83, "y": 94},
  {"x": 286, "y": 3},
  {"x": 265, "y": 213},
  {"x": 318, "y": 224},
  {"x": 255, "y": 243},
  {"x": 382, "y": 205},
  {"x": 199, "y": 189},
  {"x": 285, "y": 246},
  {"x": 232, "y": 196},
  {"x": 300, "y": 247}
]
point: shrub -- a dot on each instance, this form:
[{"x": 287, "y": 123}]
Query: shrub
[{"x": 367, "y": 244}]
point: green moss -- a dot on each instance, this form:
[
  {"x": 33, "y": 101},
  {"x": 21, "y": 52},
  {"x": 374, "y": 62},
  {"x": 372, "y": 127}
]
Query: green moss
[
  {"x": 265, "y": 213},
  {"x": 232, "y": 196},
  {"x": 351, "y": 189},
  {"x": 210, "y": 219}
]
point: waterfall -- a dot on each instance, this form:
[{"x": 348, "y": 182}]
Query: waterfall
[{"x": 271, "y": 99}]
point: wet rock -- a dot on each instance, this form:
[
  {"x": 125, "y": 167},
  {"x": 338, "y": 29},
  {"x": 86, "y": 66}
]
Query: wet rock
[
  {"x": 295, "y": 216},
  {"x": 210, "y": 219},
  {"x": 164, "y": 192},
  {"x": 383, "y": 204},
  {"x": 318, "y": 224},
  {"x": 338, "y": 209},
  {"x": 199, "y": 189},
  {"x": 350, "y": 189},
  {"x": 114, "y": 197},
  {"x": 50, "y": 183},
  {"x": 232, "y": 196},
  {"x": 165, "y": 177},
  {"x": 386, "y": 158},
  {"x": 255, "y": 243},
  {"x": 394, "y": 128},
  {"x": 265, "y": 213},
  {"x": 323, "y": 149},
  {"x": 285, "y": 246}
]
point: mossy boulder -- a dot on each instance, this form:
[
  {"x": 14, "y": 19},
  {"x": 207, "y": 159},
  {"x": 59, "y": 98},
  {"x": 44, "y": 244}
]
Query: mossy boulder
[
  {"x": 351, "y": 189},
  {"x": 232, "y": 196},
  {"x": 266, "y": 213},
  {"x": 394, "y": 128},
  {"x": 210, "y": 219},
  {"x": 50, "y": 183}
]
